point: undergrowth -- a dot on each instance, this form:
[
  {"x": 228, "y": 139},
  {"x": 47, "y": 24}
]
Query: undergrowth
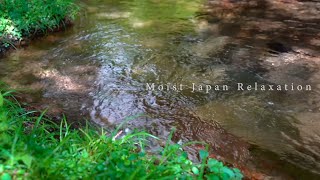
[
  {"x": 34, "y": 147},
  {"x": 22, "y": 18}
]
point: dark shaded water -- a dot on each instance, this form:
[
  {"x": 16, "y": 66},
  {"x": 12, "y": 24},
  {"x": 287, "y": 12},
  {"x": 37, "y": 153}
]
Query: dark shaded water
[{"x": 99, "y": 69}]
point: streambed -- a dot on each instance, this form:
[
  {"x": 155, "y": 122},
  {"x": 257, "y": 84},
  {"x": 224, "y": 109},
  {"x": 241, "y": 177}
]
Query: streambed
[{"x": 99, "y": 69}]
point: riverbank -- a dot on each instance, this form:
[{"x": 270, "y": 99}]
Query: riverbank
[
  {"x": 34, "y": 147},
  {"x": 22, "y": 21}
]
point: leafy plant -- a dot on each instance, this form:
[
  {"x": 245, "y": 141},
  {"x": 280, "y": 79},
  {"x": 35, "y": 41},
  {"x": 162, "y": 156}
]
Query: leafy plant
[
  {"x": 21, "y": 18},
  {"x": 34, "y": 147}
]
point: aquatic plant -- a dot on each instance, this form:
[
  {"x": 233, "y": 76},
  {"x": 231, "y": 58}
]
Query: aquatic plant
[{"x": 34, "y": 147}]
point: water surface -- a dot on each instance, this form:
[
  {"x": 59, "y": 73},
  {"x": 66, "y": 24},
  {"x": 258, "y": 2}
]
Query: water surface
[{"x": 99, "y": 68}]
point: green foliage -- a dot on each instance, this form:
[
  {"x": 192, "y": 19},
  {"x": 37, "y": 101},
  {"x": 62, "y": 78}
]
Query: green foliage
[
  {"x": 19, "y": 18},
  {"x": 36, "y": 148}
]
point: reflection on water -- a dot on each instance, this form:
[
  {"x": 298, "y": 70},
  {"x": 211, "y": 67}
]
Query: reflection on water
[{"x": 99, "y": 69}]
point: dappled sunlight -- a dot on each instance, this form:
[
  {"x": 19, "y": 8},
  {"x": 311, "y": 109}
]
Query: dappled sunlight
[
  {"x": 153, "y": 42},
  {"x": 141, "y": 24},
  {"x": 315, "y": 41},
  {"x": 210, "y": 46},
  {"x": 92, "y": 9},
  {"x": 31, "y": 53},
  {"x": 266, "y": 25},
  {"x": 62, "y": 83},
  {"x": 113, "y": 15},
  {"x": 296, "y": 9}
]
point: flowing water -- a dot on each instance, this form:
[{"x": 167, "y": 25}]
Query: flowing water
[{"x": 99, "y": 69}]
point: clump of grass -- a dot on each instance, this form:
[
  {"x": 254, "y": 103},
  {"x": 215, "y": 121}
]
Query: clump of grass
[
  {"x": 34, "y": 147},
  {"x": 22, "y": 18}
]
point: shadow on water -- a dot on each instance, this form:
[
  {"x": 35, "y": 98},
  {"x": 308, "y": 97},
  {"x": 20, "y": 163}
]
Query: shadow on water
[
  {"x": 99, "y": 69},
  {"x": 270, "y": 43}
]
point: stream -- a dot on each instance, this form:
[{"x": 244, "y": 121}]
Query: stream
[{"x": 100, "y": 69}]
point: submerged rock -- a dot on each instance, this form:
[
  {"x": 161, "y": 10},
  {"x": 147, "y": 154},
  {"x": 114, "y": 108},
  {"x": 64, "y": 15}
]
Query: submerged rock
[{"x": 277, "y": 47}]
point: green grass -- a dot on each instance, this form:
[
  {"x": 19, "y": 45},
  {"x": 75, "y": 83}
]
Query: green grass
[
  {"x": 34, "y": 147},
  {"x": 22, "y": 18}
]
